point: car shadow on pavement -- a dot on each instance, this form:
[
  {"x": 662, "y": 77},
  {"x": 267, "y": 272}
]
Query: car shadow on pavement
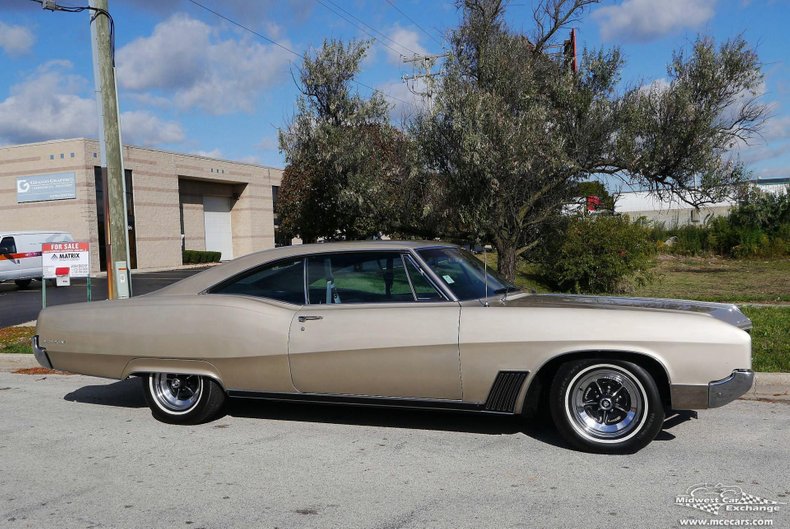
[
  {"x": 124, "y": 393},
  {"x": 448, "y": 421},
  {"x": 674, "y": 418}
]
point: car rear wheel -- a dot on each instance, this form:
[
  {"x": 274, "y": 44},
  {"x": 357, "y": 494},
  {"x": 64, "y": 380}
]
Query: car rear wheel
[
  {"x": 182, "y": 399},
  {"x": 23, "y": 283},
  {"x": 607, "y": 406}
]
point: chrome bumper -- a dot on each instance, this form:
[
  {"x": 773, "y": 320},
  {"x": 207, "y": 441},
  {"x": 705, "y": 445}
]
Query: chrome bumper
[
  {"x": 720, "y": 392},
  {"x": 713, "y": 394},
  {"x": 41, "y": 354}
]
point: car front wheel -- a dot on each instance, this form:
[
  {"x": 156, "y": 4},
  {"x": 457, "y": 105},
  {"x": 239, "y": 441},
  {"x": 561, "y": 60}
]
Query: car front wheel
[
  {"x": 606, "y": 406},
  {"x": 182, "y": 399}
]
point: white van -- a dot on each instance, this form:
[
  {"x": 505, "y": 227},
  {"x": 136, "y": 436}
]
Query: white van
[{"x": 20, "y": 254}]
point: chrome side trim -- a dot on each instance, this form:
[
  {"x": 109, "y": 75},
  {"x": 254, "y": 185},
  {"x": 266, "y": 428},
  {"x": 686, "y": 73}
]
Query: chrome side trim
[
  {"x": 689, "y": 397},
  {"x": 728, "y": 389},
  {"x": 41, "y": 354}
]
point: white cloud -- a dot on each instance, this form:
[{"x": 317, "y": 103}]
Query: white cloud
[
  {"x": 49, "y": 105},
  {"x": 645, "y": 20},
  {"x": 657, "y": 86},
  {"x": 249, "y": 159},
  {"x": 189, "y": 60},
  {"x": 213, "y": 153},
  {"x": 409, "y": 103},
  {"x": 407, "y": 39},
  {"x": 16, "y": 40},
  {"x": 140, "y": 127}
]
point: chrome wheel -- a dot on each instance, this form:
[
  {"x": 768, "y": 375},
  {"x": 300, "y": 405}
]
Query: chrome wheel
[
  {"x": 176, "y": 394},
  {"x": 606, "y": 403}
]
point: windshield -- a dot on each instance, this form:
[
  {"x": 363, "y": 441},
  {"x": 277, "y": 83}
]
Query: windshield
[{"x": 464, "y": 274}]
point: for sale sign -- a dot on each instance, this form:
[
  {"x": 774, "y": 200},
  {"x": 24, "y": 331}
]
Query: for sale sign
[{"x": 72, "y": 255}]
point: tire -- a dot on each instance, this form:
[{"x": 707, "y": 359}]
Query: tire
[
  {"x": 23, "y": 283},
  {"x": 182, "y": 399},
  {"x": 606, "y": 406}
]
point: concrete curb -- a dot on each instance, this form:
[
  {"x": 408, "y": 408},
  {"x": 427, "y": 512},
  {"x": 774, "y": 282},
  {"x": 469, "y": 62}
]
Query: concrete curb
[
  {"x": 770, "y": 386},
  {"x": 767, "y": 386}
]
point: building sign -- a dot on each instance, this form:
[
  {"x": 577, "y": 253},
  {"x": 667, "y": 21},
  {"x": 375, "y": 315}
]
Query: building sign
[
  {"x": 76, "y": 256},
  {"x": 40, "y": 188}
]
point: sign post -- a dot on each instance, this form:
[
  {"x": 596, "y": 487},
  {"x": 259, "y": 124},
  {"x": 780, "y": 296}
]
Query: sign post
[{"x": 62, "y": 261}]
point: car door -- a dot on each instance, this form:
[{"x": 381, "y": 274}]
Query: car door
[{"x": 371, "y": 328}]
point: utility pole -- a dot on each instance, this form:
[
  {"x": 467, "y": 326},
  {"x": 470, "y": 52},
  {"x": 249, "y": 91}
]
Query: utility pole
[
  {"x": 116, "y": 227},
  {"x": 423, "y": 69}
]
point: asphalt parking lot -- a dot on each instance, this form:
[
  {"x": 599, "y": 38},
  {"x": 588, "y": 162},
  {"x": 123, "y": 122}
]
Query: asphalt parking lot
[
  {"x": 23, "y": 305},
  {"x": 81, "y": 452}
]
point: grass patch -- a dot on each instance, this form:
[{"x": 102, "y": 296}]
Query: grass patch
[
  {"x": 770, "y": 338},
  {"x": 16, "y": 339},
  {"x": 717, "y": 279}
]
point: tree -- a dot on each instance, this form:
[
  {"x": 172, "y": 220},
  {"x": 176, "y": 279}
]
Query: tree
[
  {"x": 676, "y": 138},
  {"x": 342, "y": 155},
  {"x": 513, "y": 129}
]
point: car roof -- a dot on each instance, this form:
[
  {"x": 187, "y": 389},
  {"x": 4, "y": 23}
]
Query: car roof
[{"x": 208, "y": 278}]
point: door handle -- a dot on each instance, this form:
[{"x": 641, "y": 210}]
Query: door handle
[{"x": 303, "y": 319}]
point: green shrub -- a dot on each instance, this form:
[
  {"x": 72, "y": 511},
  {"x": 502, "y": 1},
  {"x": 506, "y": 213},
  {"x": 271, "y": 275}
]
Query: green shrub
[
  {"x": 759, "y": 226},
  {"x": 200, "y": 256},
  {"x": 598, "y": 254}
]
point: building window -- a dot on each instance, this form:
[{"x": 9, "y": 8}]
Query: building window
[
  {"x": 51, "y": 156},
  {"x": 62, "y": 156}
]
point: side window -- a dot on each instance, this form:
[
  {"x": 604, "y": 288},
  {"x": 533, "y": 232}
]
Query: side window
[
  {"x": 7, "y": 245},
  {"x": 283, "y": 281},
  {"x": 423, "y": 288},
  {"x": 362, "y": 277}
]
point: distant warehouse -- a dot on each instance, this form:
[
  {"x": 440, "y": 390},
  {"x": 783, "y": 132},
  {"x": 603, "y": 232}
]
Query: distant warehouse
[
  {"x": 673, "y": 212},
  {"x": 174, "y": 201}
]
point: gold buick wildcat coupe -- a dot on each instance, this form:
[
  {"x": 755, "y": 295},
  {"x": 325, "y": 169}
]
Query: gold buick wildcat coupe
[{"x": 407, "y": 324}]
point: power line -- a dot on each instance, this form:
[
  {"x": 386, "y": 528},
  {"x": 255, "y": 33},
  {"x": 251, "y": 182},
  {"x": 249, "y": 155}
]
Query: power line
[
  {"x": 264, "y": 37},
  {"x": 414, "y": 22},
  {"x": 289, "y": 50},
  {"x": 368, "y": 33}
]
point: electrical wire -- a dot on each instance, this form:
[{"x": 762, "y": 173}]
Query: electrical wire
[
  {"x": 97, "y": 11},
  {"x": 264, "y": 37},
  {"x": 289, "y": 50},
  {"x": 366, "y": 25},
  {"x": 437, "y": 41}
]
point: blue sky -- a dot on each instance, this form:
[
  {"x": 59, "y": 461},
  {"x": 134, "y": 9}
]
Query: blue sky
[{"x": 190, "y": 81}]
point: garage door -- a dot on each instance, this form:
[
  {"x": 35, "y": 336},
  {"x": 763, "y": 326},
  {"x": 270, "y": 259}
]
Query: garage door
[{"x": 219, "y": 233}]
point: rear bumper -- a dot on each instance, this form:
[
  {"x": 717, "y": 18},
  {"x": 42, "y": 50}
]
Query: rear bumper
[
  {"x": 714, "y": 394},
  {"x": 41, "y": 354}
]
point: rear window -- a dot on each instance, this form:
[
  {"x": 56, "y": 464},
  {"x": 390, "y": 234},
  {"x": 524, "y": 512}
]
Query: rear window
[{"x": 282, "y": 281}]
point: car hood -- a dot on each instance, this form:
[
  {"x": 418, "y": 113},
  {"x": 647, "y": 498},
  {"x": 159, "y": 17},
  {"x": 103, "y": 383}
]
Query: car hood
[{"x": 722, "y": 311}]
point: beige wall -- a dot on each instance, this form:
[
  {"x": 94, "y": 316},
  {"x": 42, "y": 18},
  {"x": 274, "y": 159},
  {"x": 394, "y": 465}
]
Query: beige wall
[
  {"x": 76, "y": 216},
  {"x": 160, "y": 180}
]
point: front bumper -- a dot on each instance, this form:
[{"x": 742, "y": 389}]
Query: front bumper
[
  {"x": 41, "y": 354},
  {"x": 720, "y": 392},
  {"x": 713, "y": 394}
]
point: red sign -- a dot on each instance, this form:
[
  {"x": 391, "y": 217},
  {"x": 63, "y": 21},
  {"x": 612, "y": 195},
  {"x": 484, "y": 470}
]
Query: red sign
[{"x": 65, "y": 247}]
